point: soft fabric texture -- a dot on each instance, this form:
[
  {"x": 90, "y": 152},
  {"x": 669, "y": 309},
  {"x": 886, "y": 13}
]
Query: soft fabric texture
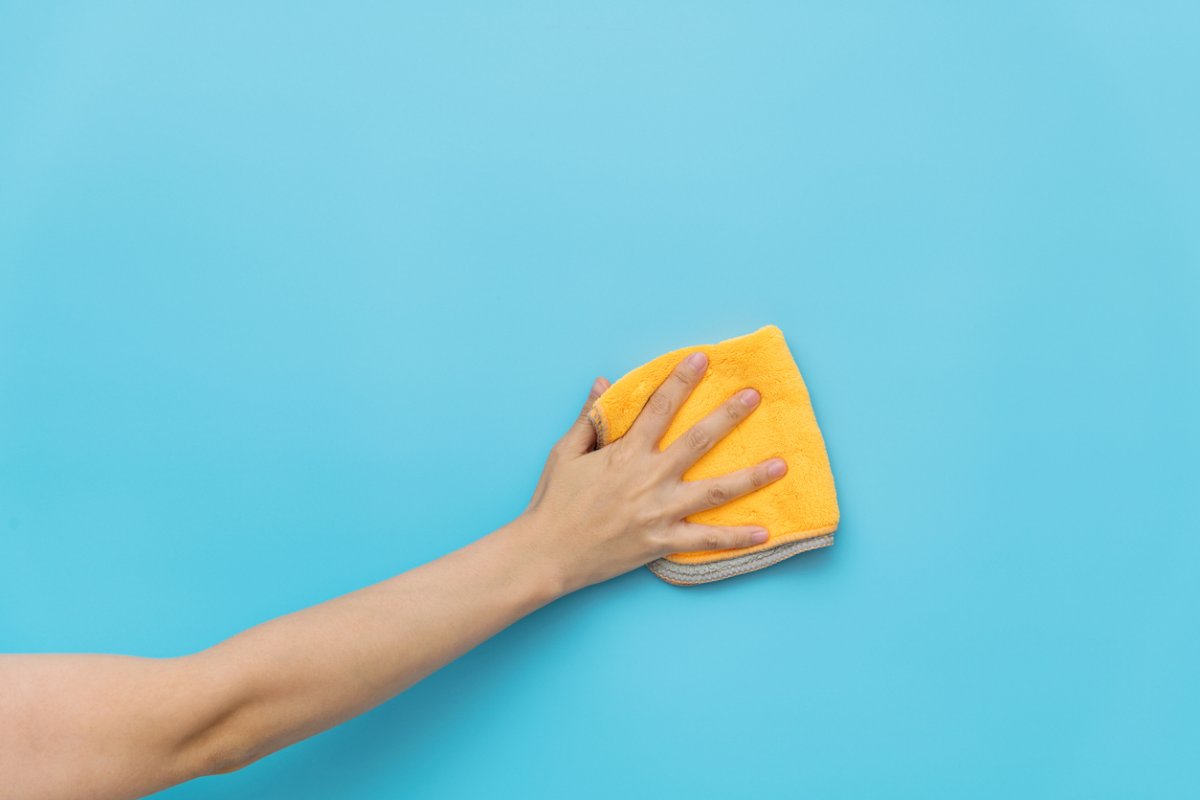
[{"x": 799, "y": 511}]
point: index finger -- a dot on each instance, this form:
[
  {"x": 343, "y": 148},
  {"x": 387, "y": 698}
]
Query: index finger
[{"x": 667, "y": 399}]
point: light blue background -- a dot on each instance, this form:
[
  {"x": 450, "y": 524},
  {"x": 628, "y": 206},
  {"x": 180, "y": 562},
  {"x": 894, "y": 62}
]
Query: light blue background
[{"x": 292, "y": 300}]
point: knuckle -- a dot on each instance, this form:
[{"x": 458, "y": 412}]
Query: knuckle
[
  {"x": 732, "y": 411},
  {"x": 683, "y": 376},
  {"x": 758, "y": 478},
  {"x": 662, "y": 468},
  {"x": 648, "y": 519},
  {"x": 698, "y": 439},
  {"x": 645, "y": 508},
  {"x": 619, "y": 453},
  {"x": 712, "y": 541},
  {"x": 659, "y": 404},
  {"x": 716, "y": 495},
  {"x": 659, "y": 542}
]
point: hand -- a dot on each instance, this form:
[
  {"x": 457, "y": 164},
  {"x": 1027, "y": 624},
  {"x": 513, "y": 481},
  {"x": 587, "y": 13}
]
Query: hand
[{"x": 596, "y": 514}]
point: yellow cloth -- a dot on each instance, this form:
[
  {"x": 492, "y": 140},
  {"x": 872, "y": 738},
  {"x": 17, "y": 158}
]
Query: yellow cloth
[{"x": 800, "y": 510}]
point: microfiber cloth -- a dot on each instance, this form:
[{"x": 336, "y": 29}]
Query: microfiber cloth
[{"x": 799, "y": 511}]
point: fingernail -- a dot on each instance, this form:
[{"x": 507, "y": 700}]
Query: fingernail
[
  {"x": 749, "y": 397},
  {"x": 776, "y": 468},
  {"x": 759, "y": 536},
  {"x": 697, "y": 361},
  {"x": 597, "y": 387}
]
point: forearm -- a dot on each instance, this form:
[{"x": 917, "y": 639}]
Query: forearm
[
  {"x": 294, "y": 676},
  {"x": 123, "y": 726},
  {"x": 115, "y": 727}
]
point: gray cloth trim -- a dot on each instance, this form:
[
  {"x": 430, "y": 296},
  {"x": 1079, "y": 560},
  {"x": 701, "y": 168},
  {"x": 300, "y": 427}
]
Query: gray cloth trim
[{"x": 691, "y": 574}]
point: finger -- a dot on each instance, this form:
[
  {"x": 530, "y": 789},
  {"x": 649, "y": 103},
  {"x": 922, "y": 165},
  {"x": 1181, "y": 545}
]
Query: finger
[
  {"x": 667, "y": 399},
  {"x": 713, "y": 492},
  {"x": 581, "y": 436},
  {"x": 701, "y": 437},
  {"x": 690, "y": 537}
]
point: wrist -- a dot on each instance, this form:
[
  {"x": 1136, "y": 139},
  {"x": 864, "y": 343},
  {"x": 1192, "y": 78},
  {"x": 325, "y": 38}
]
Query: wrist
[{"x": 546, "y": 575}]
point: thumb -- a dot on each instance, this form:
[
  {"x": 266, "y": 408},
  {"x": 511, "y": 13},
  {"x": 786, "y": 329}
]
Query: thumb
[{"x": 581, "y": 436}]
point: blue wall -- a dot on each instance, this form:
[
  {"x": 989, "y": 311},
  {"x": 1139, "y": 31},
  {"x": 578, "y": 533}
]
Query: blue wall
[{"x": 293, "y": 300}]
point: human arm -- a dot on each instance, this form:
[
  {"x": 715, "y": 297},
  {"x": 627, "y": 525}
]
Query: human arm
[{"x": 116, "y": 726}]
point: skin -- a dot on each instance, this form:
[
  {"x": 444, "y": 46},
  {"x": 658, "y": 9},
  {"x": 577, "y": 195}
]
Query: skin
[{"x": 108, "y": 726}]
